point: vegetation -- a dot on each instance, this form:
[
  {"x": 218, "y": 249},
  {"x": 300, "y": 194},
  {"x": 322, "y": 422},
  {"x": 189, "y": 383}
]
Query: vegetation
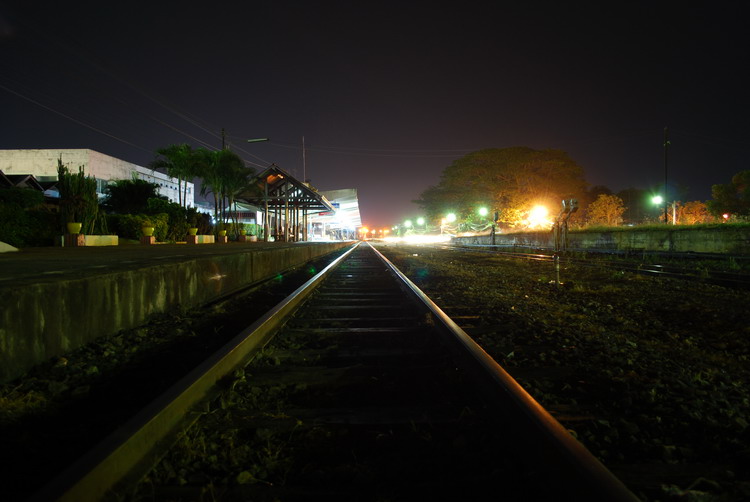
[
  {"x": 130, "y": 196},
  {"x": 181, "y": 162},
  {"x": 606, "y": 210},
  {"x": 78, "y": 200},
  {"x": 509, "y": 180},
  {"x": 25, "y": 220},
  {"x": 732, "y": 198}
]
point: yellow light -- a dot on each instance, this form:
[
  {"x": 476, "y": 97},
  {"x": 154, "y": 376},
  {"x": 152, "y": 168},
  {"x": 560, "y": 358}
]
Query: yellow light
[
  {"x": 364, "y": 230},
  {"x": 538, "y": 217}
]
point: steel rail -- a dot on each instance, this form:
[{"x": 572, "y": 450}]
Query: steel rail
[
  {"x": 585, "y": 471},
  {"x": 718, "y": 278},
  {"x": 128, "y": 451}
]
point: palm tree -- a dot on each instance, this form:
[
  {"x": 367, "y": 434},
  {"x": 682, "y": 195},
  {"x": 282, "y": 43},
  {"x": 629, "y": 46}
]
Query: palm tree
[
  {"x": 181, "y": 162},
  {"x": 224, "y": 174}
]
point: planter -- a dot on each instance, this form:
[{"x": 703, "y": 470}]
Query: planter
[
  {"x": 147, "y": 231},
  {"x": 252, "y": 238},
  {"x": 193, "y": 231},
  {"x": 74, "y": 228}
]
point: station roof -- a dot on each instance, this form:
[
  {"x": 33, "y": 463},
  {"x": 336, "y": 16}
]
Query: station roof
[
  {"x": 20, "y": 181},
  {"x": 282, "y": 186},
  {"x": 346, "y": 215}
]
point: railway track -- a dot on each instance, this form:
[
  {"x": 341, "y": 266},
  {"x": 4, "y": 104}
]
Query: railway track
[
  {"x": 359, "y": 388},
  {"x": 697, "y": 274}
]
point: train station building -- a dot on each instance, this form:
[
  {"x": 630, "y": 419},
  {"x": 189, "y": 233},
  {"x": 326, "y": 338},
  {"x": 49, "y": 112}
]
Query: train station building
[{"x": 42, "y": 164}]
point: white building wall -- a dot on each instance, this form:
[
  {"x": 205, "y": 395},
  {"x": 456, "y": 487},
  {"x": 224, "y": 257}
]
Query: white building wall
[{"x": 43, "y": 164}]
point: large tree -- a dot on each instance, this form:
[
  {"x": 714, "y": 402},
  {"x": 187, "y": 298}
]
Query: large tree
[
  {"x": 130, "y": 196},
  {"x": 606, "y": 210},
  {"x": 507, "y": 180},
  {"x": 732, "y": 198}
]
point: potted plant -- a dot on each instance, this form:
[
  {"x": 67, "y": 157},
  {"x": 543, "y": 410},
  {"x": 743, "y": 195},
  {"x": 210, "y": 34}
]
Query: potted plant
[
  {"x": 147, "y": 227},
  {"x": 79, "y": 204},
  {"x": 192, "y": 217}
]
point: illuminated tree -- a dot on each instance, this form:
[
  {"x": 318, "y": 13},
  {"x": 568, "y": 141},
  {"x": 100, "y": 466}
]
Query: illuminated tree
[
  {"x": 509, "y": 180},
  {"x": 693, "y": 212},
  {"x": 732, "y": 198},
  {"x": 606, "y": 210}
]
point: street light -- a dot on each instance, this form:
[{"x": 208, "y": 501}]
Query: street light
[
  {"x": 483, "y": 211},
  {"x": 420, "y": 221}
]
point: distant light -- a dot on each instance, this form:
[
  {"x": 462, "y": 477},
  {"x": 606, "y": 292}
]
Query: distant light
[
  {"x": 407, "y": 223},
  {"x": 419, "y": 239},
  {"x": 450, "y": 217},
  {"x": 657, "y": 199},
  {"x": 725, "y": 216},
  {"x": 483, "y": 211},
  {"x": 364, "y": 230},
  {"x": 538, "y": 217},
  {"x": 420, "y": 221}
]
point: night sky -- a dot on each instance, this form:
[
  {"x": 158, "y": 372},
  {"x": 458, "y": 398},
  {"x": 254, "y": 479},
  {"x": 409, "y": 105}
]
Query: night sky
[{"x": 387, "y": 94}]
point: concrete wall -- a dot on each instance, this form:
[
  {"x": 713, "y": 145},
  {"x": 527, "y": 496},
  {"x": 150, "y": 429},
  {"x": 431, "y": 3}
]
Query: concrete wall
[
  {"x": 722, "y": 239},
  {"x": 49, "y": 319}
]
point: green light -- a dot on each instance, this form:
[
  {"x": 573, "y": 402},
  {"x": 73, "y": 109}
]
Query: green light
[
  {"x": 657, "y": 199},
  {"x": 420, "y": 221},
  {"x": 407, "y": 223},
  {"x": 483, "y": 211}
]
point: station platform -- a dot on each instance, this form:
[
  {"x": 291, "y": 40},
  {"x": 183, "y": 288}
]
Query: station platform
[{"x": 53, "y": 300}]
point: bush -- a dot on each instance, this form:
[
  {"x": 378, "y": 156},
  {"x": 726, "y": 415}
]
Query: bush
[
  {"x": 128, "y": 226},
  {"x": 177, "y": 217},
  {"x": 24, "y": 222}
]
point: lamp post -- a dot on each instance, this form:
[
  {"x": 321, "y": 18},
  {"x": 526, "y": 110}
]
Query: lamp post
[{"x": 666, "y": 150}]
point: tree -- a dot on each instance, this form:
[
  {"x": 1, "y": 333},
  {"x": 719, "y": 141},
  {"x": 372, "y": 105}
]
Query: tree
[
  {"x": 508, "y": 180},
  {"x": 606, "y": 210},
  {"x": 130, "y": 196},
  {"x": 225, "y": 175},
  {"x": 732, "y": 198},
  {"x": 693, "y": 212},
  {"x": 181, "y": 162}
]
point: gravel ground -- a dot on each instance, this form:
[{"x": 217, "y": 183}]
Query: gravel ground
[{"x": 652, "y": 375}]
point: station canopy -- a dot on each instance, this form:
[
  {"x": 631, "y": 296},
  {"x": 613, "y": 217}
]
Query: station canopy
[
  {"x": 277, "y": 188},
  {"x": 346, "y": 216}
]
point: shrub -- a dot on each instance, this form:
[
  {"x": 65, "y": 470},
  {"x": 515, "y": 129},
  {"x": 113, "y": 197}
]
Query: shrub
[
  {"x": 128, "y": 226},
  {"x": 24, "y": 221}
]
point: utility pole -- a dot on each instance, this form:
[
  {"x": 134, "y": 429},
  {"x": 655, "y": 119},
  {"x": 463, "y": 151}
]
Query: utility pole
[
  {"x": 304, "y": 168},
  {"x": 223, "y": 138},
  {"x": 666, "y": 150}
]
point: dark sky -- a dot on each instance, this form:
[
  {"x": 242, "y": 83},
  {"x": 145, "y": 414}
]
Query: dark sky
[{"x": 387, "y": 94}]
